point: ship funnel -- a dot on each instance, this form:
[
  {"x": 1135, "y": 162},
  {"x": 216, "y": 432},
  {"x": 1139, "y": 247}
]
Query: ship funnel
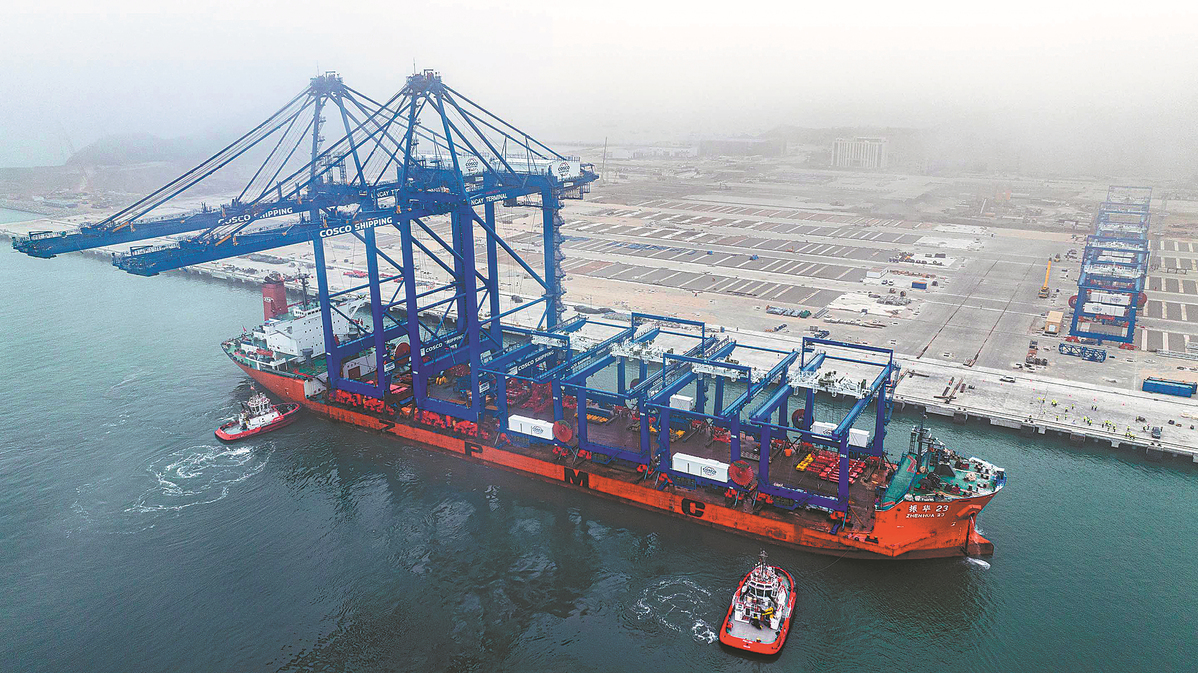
[{"x": 274, "y": 297}]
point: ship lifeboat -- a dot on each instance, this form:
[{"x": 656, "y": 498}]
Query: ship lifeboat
[
  {"x": 258, "y": 416},
  {"x": 759, "y": 618}
]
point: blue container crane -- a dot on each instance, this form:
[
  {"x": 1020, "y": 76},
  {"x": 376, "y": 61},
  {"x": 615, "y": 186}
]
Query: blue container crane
[{"x": 431, "y": 164}]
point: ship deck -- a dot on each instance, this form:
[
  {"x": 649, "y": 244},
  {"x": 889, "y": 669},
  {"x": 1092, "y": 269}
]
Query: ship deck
[
  {"x": 293, "y": 365},
  {"x": 624, "y": 434},
  {"x": 764, "y": 634}
]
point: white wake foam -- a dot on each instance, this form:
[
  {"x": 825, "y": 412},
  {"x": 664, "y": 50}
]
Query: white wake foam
[
  {"x": 118, "y": 389},
  {"x": 677, "y": 604},
  {"x": 198, "y": 475},
  {"x": 985, "y": 565}
]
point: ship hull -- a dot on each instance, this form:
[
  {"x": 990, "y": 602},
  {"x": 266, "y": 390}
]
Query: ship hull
[{"x": 943, "y": 530}]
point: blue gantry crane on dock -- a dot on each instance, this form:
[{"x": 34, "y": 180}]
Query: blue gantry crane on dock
[
  {"x": 1114, "y": 268},
  {"x": 432, "y": 165}
]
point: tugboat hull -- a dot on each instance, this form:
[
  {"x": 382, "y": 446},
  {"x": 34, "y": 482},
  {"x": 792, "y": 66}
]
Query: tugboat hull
[
  {"x": 763, "y": 640},
  {"x": 229, "y": 432}
]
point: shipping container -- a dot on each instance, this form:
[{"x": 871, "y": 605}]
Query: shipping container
[
  {"x": 1052, "y": 324},
  {"x": 858, "y": 438},
  {"x": 1167, "y": 387},
  {"x": 823, "y": 427},
  {"x": 530, "y": 426},
  {"x": 919, "y": 284},
  {"x": 700, "y": 467},
  {"x": 683, "y": 402}
]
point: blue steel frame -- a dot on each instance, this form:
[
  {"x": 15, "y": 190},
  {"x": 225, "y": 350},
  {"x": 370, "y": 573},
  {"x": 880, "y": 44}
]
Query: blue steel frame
[
  {"x": 877, "y": 392},
  {"x": 1115, "y": 261},
  {"x": 732, "y": 416},
  {"x": 427, "y": 152},
  {"x": 269, "y": 194},
  {"x": 547, "y": 358}
]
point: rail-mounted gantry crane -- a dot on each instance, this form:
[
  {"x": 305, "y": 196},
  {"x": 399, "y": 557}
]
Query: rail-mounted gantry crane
[{"x": 1114, "y": 271}]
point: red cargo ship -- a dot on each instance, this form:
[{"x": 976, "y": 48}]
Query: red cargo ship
[
  {"x": 516, "y": 385},
  {"x": 924, "y": 504},
  {"x": 676, "y": 436}
]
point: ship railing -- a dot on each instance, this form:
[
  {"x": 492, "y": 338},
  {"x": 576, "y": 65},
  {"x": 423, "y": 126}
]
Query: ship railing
[
  {"x": 42, "y": 235},
  {"x": 145, "y": 249}
]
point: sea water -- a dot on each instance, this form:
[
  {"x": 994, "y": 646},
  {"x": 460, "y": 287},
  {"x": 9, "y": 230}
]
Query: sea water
[{"x": 133, "y": 541}]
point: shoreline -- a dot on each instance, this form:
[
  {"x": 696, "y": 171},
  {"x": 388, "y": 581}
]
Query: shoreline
[{"x": 39, "y": 215}]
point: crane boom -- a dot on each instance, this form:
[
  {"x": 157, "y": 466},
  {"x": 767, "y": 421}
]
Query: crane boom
[{"x": 1044, "y": 288}]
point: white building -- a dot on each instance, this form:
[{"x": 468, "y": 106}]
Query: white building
[{"x": 859, "y": 153}]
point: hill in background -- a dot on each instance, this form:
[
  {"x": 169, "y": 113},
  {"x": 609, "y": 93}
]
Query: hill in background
[{"x": 137, "y": 148}]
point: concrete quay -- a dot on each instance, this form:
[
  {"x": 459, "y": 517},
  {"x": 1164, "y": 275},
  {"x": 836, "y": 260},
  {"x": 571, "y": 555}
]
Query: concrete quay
[
  {"x": 1027, "y": 403},
  {"x": 1082, "y": 412}
]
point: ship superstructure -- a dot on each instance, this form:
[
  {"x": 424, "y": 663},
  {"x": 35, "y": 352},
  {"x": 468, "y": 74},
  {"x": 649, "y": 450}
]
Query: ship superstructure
[{"x": 660, "y": 412}]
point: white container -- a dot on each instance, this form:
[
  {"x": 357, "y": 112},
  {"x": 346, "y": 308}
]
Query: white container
[
  {"x": 1110, "y": 297},
  {"x": 823, "y": 428},
  {"x": 859, "y": 438},
  {"x": 700, "y": 467},
  {"x": 530, "y": 426},
  {"x": 682, "y": 402},
  {"x": 1105, "y": 309}
]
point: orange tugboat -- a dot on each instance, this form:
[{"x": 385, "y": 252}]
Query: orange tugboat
[{"x": 759, "y": 618}]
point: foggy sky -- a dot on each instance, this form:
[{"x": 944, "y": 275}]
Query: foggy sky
[{"x": 1038, "y": 77}]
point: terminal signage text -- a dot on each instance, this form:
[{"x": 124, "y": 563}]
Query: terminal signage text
[
  {"x": 239, "y": 219},
  {"x": 361, "y": 225}
]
